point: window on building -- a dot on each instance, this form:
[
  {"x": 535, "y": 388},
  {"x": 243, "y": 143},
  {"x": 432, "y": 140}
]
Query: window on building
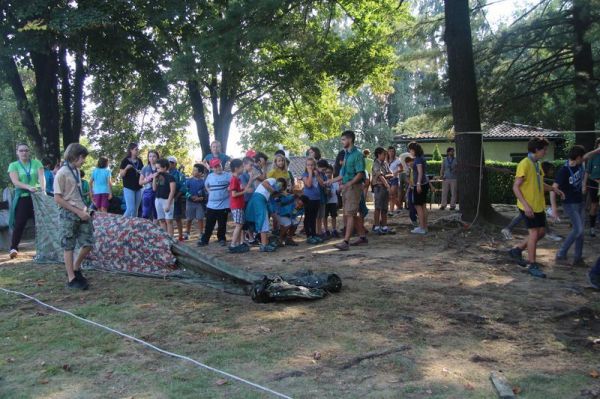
[{"x": 517, "y": 156}]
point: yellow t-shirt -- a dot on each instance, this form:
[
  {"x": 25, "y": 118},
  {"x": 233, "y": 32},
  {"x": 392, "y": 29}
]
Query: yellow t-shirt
[
  {"x": 533, "y": 185},
  {"x": 277, "y": 173}
]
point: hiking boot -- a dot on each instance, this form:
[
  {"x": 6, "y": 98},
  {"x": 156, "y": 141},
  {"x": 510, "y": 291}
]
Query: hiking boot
[
  {"x": 267, "y": 248},
  {"x": 535, "y": 271},
  {"x": 579, "y": 263},
  {"x": 553, "y": 237},
  {"x": 506, "y": 234},
  {"x": 79, "y": 276},
  {"x": 359, "y": 241},
  {"x": 594, "y": 280},
  {"x": 78, "y": 285},
  {"x": 13, "y": 253},
  {"x": 342, "y": 246}
]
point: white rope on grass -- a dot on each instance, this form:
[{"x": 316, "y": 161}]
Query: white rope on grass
[{"x": 149, "y": 345}]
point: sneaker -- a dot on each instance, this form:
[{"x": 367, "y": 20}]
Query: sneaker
[
  {"x": 13, "y": 253},
  {"x": 385, "y": 230},
  {"x": 452, "y": 208},
  {"x": 335, "y": 234},
  {"x": 561, "y": 260},
  {"x": 418, "y": 230},
  {"x": 442, "y": 208},
  {"x": 201, "y": 243},
  {"x": 579, "y": 263},
  {"x": 342, "y": 246},
  {"x": 186, "y": 236},
  {"x": 594, "y": 280},
  {"x": 415, "y": 223},
  {"x": 592, "y": 232},
  {"x": 181, "y": 239},
  {"x": 359, "y": 241},
  {"x": 290, "y": 242},
  {"x": 376, "y": 229},
  {"x": 76, "y": 284},
  {"x": 80, "y": 277},
  {"x": 535, "y": 271},
  {"x": 223, "y": 243},
  {"x": 517, "y": 255},
  {"x": 239, "y": 249},
  {"x": 267, "y": 248},
  {"x": 506, "y": 234},
  {"x": 553, "y": 237}
]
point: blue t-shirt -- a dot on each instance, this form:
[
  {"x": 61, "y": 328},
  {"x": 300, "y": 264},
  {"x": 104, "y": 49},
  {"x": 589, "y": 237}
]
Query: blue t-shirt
[
  {"x": 101, "y": 177},
  {"x": 312, "y": 192},
  {"x": 570, "y": 182},
  {"x": 179, "y": 180},
  {"x": 195, "y": 186},
  {"x": 245, "y": 179},
  {"x": 224, "y": 158},
  {"x": 218, "y": 195},
  {"x": 420, "y": 161},
  {"x": 49, "y": 181}
]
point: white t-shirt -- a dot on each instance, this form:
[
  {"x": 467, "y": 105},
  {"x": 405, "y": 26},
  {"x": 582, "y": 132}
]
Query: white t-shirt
[
  {"x": 335, "y": 187},
  {"x": 395, "y": 165},
  {"x": 263, "y": 191}
]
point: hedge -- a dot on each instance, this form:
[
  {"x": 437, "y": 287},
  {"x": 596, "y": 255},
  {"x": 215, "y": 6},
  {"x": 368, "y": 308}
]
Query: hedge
[{"x": 500, "y": 177}]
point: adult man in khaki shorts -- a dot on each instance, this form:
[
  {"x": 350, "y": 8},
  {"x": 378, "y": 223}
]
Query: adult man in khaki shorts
[{"x": 352, "y": 176}]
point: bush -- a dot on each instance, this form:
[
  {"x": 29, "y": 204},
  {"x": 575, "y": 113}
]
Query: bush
[{"x": 500, "y": 177}]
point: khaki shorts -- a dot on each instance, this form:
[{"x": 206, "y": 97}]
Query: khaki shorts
[
  {"x": 382, "y": 198},
  {"x": 351, "y": 199},
  {"x": 74, "y": 231}
]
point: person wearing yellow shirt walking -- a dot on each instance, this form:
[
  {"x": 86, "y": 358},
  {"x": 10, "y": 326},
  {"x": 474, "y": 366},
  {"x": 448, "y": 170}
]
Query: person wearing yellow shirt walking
[{"x": 529, "y": 188}]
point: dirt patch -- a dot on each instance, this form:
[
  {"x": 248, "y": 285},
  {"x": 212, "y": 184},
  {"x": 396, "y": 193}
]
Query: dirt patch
[{"x": 452, "y": 301}]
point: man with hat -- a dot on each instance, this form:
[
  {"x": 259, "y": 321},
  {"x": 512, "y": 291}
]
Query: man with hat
[{"x": 179, "y": 199}]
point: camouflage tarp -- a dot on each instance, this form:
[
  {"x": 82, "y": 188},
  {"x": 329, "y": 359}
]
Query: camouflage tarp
[{"x": 139, "y": 247}]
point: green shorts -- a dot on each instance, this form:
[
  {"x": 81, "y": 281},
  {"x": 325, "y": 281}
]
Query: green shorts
[{"x": 74, "y": 231}]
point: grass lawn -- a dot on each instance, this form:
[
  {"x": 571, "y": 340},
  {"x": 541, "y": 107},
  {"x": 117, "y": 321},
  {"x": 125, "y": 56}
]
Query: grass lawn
[{"x": 418, "y": 317}]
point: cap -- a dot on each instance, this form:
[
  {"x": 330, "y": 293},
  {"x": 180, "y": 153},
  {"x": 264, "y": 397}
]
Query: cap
[
  {"x": 172, "y": 159},
  {"x": 251, "y": 153},
  {"x": 215, "y": 162}
]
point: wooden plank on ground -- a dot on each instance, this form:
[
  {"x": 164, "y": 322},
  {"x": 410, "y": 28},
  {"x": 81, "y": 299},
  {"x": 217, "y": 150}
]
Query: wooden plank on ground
[{"x": 502, "y": 386}]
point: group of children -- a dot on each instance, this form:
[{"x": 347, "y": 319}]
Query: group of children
[{"x": 262, "y": 202}]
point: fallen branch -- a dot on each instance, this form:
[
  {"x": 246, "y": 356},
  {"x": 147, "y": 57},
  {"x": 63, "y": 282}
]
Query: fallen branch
[{"x": 344, "y": 365}]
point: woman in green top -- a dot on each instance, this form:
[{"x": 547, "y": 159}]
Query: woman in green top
[{"x": 27, "y": 175}]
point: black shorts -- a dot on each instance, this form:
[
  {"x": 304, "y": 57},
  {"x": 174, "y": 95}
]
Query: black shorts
[
  {"x": 593, "y": 190},
  {"x": 539, "y": 220},
  {"x": 420, "y": 199},
  {"x": 331, "y": 210}
]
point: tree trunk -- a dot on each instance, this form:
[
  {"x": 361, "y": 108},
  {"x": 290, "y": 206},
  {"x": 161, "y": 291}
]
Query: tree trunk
[
  {"x": 199, "y": 116},
  {"x": 45, "y": 66},
  {"x": 13, "y": 79},
  {"x": 78, "y": 82},
  {"x": 65, "y": 93},
  {"x": 585, "y": 94},
  {"x": 465, "y": 110}
]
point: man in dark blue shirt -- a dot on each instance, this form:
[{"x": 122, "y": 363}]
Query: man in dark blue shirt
[{"x": 569, "y": 180}]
